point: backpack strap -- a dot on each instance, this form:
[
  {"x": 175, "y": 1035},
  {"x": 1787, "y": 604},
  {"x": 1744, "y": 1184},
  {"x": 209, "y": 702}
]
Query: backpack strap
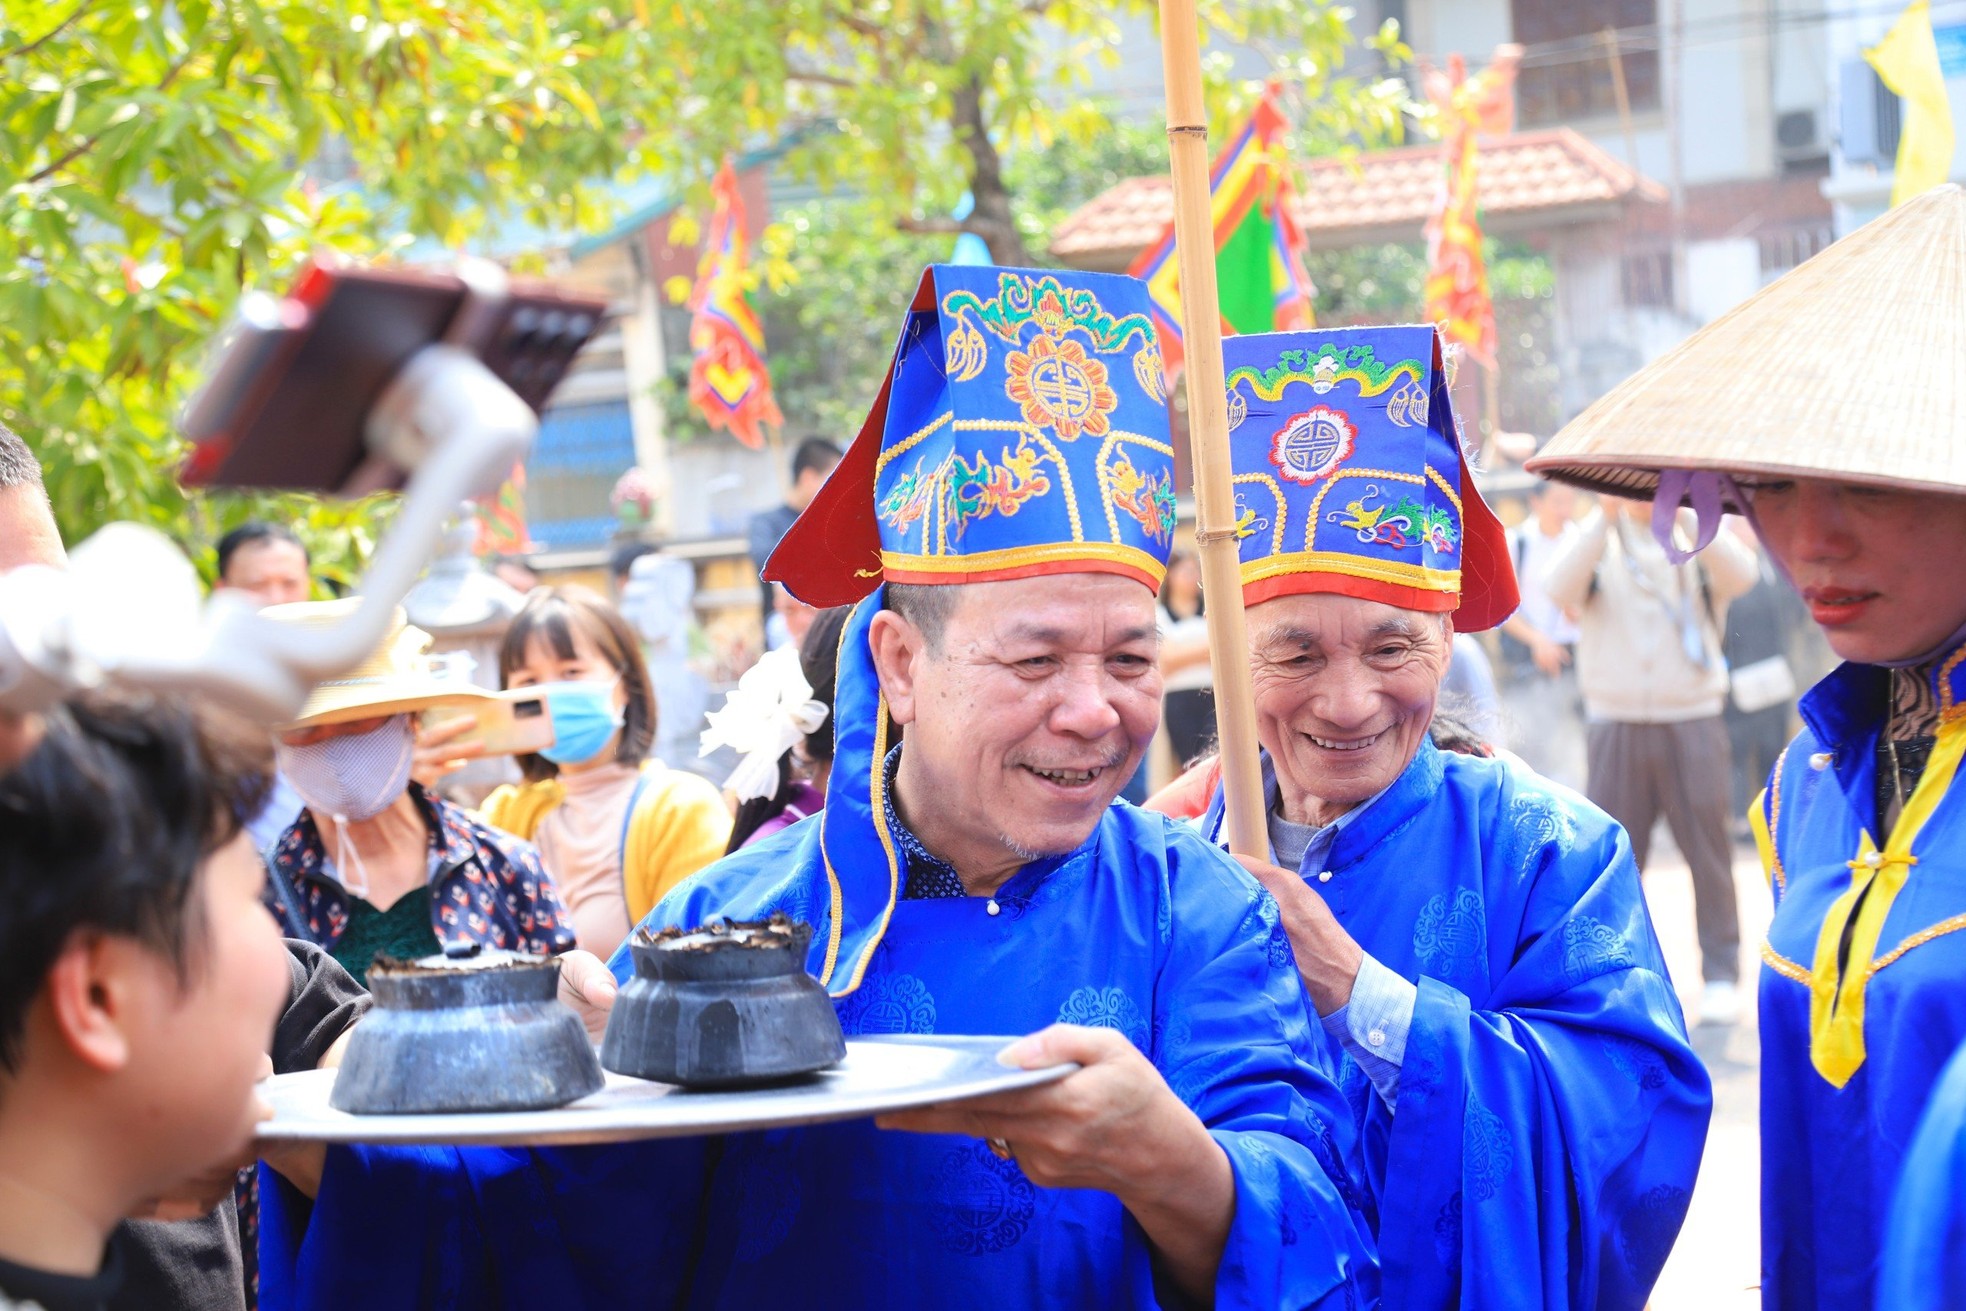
[
  {"x": 628, "y": 819},
  {"x": 296, "y": 923}
]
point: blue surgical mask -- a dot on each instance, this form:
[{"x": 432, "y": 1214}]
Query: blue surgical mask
[{"x": 584, "y": 719}]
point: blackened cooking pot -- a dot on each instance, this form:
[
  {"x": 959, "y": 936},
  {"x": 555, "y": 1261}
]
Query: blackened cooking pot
[
  {"x": 722, "y": 1006},
  {"x": 466, "y": 1031}
]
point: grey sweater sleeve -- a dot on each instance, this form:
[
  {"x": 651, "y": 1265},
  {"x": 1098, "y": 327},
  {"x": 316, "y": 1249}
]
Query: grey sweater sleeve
[{"x": 323, "y": 1001}]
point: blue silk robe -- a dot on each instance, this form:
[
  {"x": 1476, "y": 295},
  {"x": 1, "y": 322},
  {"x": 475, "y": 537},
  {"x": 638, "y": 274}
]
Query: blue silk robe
[
  {"x": 1925, "y": 1246},
  {"x": 1861, "y": 1001},
  {"x": 1144, "y": 928},
  {"x": 1550, "y": 1113}
]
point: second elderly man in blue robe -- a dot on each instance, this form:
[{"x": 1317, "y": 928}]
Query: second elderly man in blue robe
[{"x": 1474, "y": 937}]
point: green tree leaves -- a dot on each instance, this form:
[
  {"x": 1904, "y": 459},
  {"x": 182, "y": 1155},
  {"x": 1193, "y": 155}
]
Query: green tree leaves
[{"x": 157, "y": 157}]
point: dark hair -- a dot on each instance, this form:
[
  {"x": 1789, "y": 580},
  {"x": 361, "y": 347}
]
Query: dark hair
[
  {"x": 928, "y": 606},
  {"x": 624, "y": 557},
  {"x": 18, "y": 467},
  {"x": 551, "y": 614},
  {"x": 255, "y": 532},
  {"x": 815, "y": 454},
  {"x": 1455, "y": 727},
  {"x": 105, "y": 825},
  {"x": 819, "y": 656},
  {"x": 1166, "y": 594}
]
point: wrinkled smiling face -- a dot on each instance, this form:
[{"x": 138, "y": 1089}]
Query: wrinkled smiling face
[
  {"x": 1345, "y": 690},
  {"x": 1028, "y": 718}
]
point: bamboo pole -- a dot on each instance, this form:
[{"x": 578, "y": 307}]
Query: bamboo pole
[{"x": 1208, "y": 431}]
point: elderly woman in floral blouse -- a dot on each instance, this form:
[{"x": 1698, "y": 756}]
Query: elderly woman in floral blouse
[{"x": 375, "y": 865}]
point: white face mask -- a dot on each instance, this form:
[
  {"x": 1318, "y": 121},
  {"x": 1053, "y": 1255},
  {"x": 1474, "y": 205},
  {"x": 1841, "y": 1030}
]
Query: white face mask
[
  {"x": 356, "y": 776},
  {"x": 349, "y": 779}
]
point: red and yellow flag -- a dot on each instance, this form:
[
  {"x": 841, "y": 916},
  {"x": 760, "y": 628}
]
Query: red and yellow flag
[
  {"x": 1457, "y": 276},
  {"x": 502, "y": 519},
  {"x": 728, "y": 382},
  {"x": 1261, "y": 281}
]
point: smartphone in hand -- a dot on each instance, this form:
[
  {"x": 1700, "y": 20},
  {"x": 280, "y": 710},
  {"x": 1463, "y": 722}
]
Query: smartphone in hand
[
  {"x": 511, "y": 723},
  {"x": 291, "y": 381}
]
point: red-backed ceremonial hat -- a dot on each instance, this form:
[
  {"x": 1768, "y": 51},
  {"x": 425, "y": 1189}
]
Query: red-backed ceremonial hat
[
  {"x": 1349, "y": 475},
  {"x": 1021, "y": 429}
]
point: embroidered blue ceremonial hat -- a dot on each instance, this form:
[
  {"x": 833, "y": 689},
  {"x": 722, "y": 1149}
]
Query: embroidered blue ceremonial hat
[
  {"x": 1021, "y": 429},
  {"x": 1349, "y": 475}
]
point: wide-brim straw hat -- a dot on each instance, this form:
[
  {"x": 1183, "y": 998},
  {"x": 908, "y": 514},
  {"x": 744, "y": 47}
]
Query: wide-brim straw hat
[
  {"x": 395, "y": 679},
  {"x": 1851, "y": 367}
]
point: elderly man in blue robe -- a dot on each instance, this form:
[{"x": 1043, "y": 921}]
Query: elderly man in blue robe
[
  {"x": 1002, "y": 521},
  {"x": 1473, "y": 937}
]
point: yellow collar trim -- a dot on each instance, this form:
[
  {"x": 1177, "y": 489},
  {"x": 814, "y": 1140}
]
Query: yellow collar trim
[
  {"x": 1836, "y": 1000},
  {"x": 876, "y": 785},
  {"x": 1765, "y": 821}
]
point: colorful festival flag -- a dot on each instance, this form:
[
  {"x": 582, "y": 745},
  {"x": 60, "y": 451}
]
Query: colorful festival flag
[
  {"x": 502, "y": 519},
  {"x": 1261, "y": 281},
  {"x": 1457, "y": 277},
  {"x": 1907, "y": 61},
  {"x": 728, "y": 382}
]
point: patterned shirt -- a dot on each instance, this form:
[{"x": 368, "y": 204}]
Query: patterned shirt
[
  {"x": 927, "y": 875},
  {"x": 486, "y": 886}
]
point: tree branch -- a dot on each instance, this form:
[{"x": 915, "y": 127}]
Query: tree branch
[
  {"x": 81, "y": 148},
  {"x": 853, "y": 22},
  {"x": 991, "y": 216},
  {"x": 29, "y": 47},
  {"x": 991, "y": 232},
  {"x": 816, "y": 78}
]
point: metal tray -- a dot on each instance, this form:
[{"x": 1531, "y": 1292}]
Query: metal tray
[{"x": 878, "y": 1075}]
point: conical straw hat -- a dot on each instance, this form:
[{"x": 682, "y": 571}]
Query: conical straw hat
[
  {"x": 394, "y": 679},
  {"x": 1852, "y": 366}
]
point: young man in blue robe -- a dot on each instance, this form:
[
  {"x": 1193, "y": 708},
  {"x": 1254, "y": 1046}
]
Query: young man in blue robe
[
  {"x": 1009, "y": 506},
  {"x": 1473, "y": 937}
]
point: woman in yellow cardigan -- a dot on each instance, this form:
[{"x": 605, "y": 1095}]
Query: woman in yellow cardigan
[{"x": 615, "y": 829}]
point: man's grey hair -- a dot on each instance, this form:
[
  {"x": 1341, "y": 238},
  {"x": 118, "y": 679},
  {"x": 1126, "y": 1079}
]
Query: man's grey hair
[
  {"x": 928, "y": 607},
  {"x": 18, "y": 467}
]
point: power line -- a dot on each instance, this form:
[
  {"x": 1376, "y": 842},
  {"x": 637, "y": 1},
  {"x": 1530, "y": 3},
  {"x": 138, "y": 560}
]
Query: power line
[
  {"x": 1704, "y": 32},
  {"x": 1722, "y": 29}
]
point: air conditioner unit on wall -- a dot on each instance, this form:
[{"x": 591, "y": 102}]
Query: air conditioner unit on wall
[
  {"x": 1868, "y": 115},
  {"x": 1797, "y": 136}
]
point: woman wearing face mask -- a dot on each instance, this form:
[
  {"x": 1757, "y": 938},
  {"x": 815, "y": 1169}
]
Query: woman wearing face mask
[
  {"x": 374, "y": 865},
  {"x": 615, "y": 828},
  {"x": 1828, "y": 408}
]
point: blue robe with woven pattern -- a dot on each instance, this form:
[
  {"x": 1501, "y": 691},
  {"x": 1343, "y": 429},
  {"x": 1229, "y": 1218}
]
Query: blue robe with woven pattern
[
  {"x": 1550, "y": 1111},
  {"x": 1145, "y": 929}
]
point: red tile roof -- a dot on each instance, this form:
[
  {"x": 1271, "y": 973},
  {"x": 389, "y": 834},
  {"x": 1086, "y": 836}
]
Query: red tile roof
[{"x": 1529, "y": 179}]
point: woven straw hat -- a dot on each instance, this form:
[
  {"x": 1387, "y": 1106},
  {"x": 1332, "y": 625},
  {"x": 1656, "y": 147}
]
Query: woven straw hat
[
  {"x": 394, "y": 679},
  {"x": 1852, "y": 367}
]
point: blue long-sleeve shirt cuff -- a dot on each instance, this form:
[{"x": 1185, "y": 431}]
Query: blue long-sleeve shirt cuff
[{"x": 1373, "y": 1025}]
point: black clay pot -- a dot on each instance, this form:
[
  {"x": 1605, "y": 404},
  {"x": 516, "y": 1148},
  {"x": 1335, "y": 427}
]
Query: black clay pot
[
  {"x": 723, "y": 1006},
  {"x": 482, "y": 1031}
]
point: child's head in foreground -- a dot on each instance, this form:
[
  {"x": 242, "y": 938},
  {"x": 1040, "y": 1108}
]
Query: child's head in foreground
[{"x": 140, "y": 978}]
